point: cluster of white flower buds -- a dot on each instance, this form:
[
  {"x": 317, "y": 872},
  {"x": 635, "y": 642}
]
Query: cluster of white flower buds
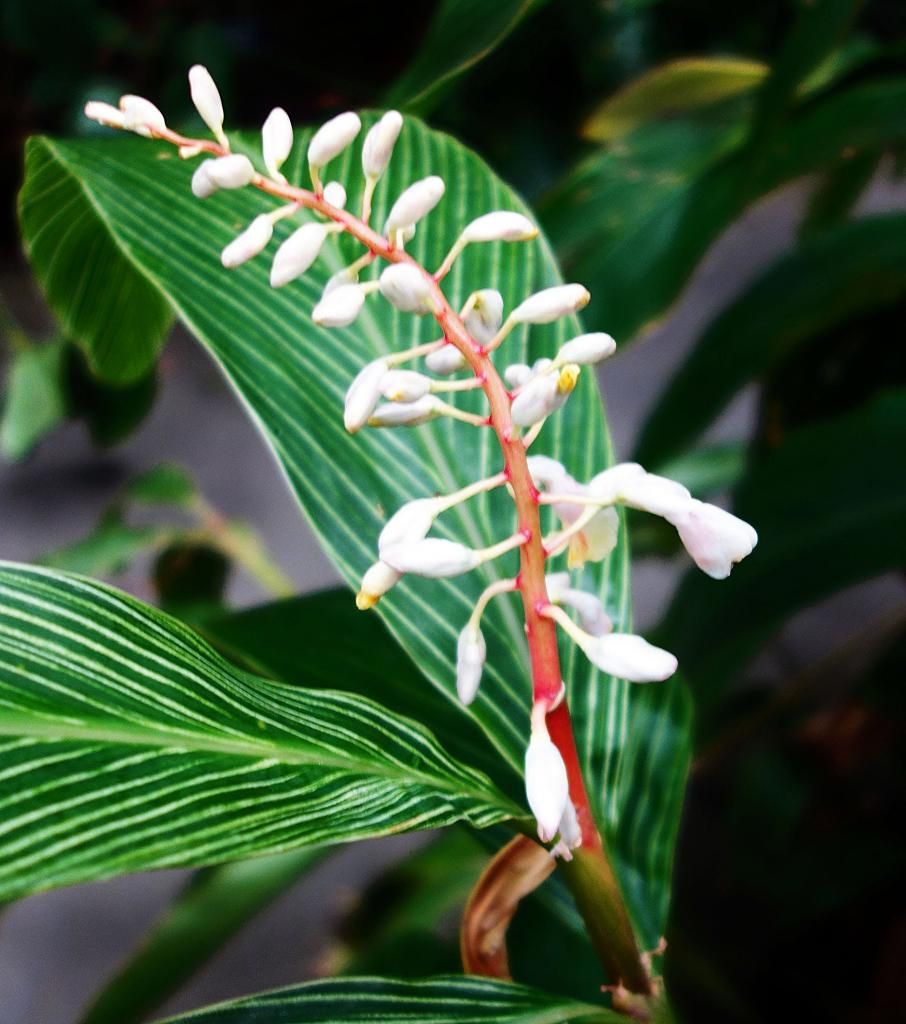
[{"x": 384, "y": 395}]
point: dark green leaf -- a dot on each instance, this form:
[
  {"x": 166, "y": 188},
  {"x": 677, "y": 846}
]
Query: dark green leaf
[
  {"x": 35, "y": 400},
  {"x": 837, "y": 192},
  {"x": 191, "y": 578},
  {"x": 111, "y": 412}
]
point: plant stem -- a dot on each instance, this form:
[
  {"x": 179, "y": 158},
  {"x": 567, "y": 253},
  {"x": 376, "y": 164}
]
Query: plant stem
[{"x": 590, "y": 876}]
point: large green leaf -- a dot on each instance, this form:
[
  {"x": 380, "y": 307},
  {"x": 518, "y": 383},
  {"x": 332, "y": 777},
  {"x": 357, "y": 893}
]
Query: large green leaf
[
  {"x": 829, "y": 507},
  {"x": 127, "y": 744},
  {"x": 213, "y": 907},
  {"x": 292, "y": 376},
  {"x": 856, "y": 267},
  {"x": 461, "y": 33},
  {"x": 442, "y": 1000},
  {"x": 104, "y": 302}
]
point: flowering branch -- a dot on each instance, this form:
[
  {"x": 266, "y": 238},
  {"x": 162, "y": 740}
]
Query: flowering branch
[{"x": 518, "y": 403}]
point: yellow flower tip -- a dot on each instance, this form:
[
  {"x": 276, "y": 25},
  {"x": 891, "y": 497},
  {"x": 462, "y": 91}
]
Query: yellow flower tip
[
  {"x": 569, "y": 375},
  {"x": 364, "y": 600},
  {"x": 577, "y": 553}
]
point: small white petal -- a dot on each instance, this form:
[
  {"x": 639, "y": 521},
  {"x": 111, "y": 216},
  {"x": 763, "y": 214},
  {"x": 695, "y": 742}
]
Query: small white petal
[
  {"x": 549, "y": 474},
  {"x": 546, "y": 306},
  {"x": 445, "y": 360},
  {"x": 105, "y": 113},
  {"x": 587, "y": 348},
  {"x": 375, "y": 583},
  {"x": 405, "y": 386},
  {"x": 202, "y": 186},
  {"x": 631, "y": 657},
  {"x": 418, "y": 200},
  {"x": 610, "y": 484},
  {"x": 332, "y": 138},
  {"x": 471, "y": 653},
  {"x": 592, "y": 617},
  {"x": 206, "y": 98},
  {"x": 297, "y": 253},
  {"x": 500, "y": 226},
  {"x": 276, "y": 140},
  {"x": 486, "y": 315},
  {"x": 433, "y": 557},
  {"x": 339, "y": 307},
  {"x": 363, "y": 394},
  {"x": 556, "y": 583},
  {"x": 715, "y": 539},
  {"x": 335, "y": 194},
  {"x": 234, "y": 171},
  {"x": 517, "y": 374},
  {"x": 406, "y": 288},
  {"x": 337, "y": 280},
  {"x": 411, "y": 522},
  {"x": 652, "y": 493},
  {"x": 140, "y": 115},
  {"x": 249, "y": 243},
  {"x": 546, "y": 784},
  {"x": 542, "y": 395},
  {"x": 570, "y": 833},
  {"x": 379, "y": 143},
  {"x": 406, "y": 414}
]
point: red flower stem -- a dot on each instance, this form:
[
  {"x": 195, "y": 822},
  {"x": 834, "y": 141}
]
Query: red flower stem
[{"x": 613, "y": 937}]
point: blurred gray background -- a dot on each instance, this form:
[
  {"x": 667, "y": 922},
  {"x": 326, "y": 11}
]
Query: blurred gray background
[{"x": 56, "y": 949}]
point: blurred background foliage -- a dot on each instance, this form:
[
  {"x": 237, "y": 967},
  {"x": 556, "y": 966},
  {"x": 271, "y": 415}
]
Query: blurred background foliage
[{"x": 641, "y": 130}]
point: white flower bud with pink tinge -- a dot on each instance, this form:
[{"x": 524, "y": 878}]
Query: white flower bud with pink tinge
[
  {"x": 546, "y": 306},
  {"x": 105, "y": 113},
  {"x": 445, "y": 360},
  {"x": 297, "y": 253},
  {"x": 405, "y": 386},
  {"x": 592, "y": 616},
  {"x": 471, "y": 653},
  {"x": 141, "y": 116},
  {"x": 364, "y": 393},
  {"x": 276, "y": 141},
  {"x": 407, "y": 414},
  {"x": 407, "y": 289},
  {"x": 249, "y": 243},
  {"x": 206, "y": 98},
  {"x": 715, "y": 539},
  {"x": 500, "y": 226},
  {"x": 332, "y": 138},
  {"x": 379, "y": 143},
  {"x": 483, "y": 320},
  {"x": 339, "y": 307},
  {"x": 587, "y": 349},
  {"x": 411, "y": 522},
  {"x": 335, "y": 194},
  {"x": 433, "y": 557},
  {"x": 375, "y": 583},
  {"x": 546, "y": 783},
  {"x": 627, "y": 656},
  {"x": 233, "y": 171},
  {"x": 414, "y": 203}
]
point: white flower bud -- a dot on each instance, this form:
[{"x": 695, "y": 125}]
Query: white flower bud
[
  {"x": 411, "y": 522},
  {"x": 592, "y": 616},
  {"x": 406, "y": 288},
  {"x": 517, "y": 374},
  {"x": 297, "y": 253},
  {"x": 433, "y": 557},
  {"x": 546, "y": 306},
  {"x": 608, "y": 485},
  {"x": 630, "y": 484},
  {"x": 500, "y": 226},
  {"x": 543, "y": 395},
  {"x": 206, "y": 98},
  {"x": 345, "y": 276},
  {"x": 486, "y": 315},
  {"x": 141, "y": 116},
  {"x": 630, "y": 657},
  {"x": 105, "y": 113},
  {"x": 549, "y": 474},
  {"x": 570, "y": 833},
  {"x": 556, "y": 583},
  {"x": 249, "y": 243},
  {"x": 379, "y": 143},
  {"x": 715, "y": 539},
  {"x": 332, "y": 138},
  {"x": 276, "y": 141},
  {"x": 406, "y": 414},
  {"x": 335, "y": 194},
  {"x": 546, "y": 784},
  {"x": 364, "y": 393},
  {"x": 445, "y": 360},
  {"x": 405, "y": 386},
  {"x": 375, "y": 583},
  {"x": 587, "y": 349},
  {"x": 471, "y": 652},
  {"x": 234, "y": 171},
  {"x": 202, "y": 186},
  {"x": 339, "y": 307},
  {"x": 414, "y": 203}
]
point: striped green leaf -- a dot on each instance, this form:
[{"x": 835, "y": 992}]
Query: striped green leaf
[
  {"x": 442, "y": 1000},
  {"x": 292, "y": 377},
  {"x": 126, "y": 743}
]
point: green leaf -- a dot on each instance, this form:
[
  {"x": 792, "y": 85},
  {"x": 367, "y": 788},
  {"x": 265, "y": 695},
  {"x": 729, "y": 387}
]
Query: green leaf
[
  {"x": 677, "y": 87},
  {"x": 835, "y": 196},
  {"x": 634, "y": 232},
  {"x": 35, "y": 397},
  {"x": 128, "y": 744},
  {"x": 441, "y": 1000},
  {"x": 461, "y": 33},
  {"x": 824, "y": 521},
  {"x": 111, "y": 412},
  {"x": 103, "y": 301},
  {"x": 292, "y": 376},
  {"x": 109, "y": 549},
  {"x": 213, "y": 907},
  {"x": 856, "y": 267},
  {"x": 167, "y": 484}
]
